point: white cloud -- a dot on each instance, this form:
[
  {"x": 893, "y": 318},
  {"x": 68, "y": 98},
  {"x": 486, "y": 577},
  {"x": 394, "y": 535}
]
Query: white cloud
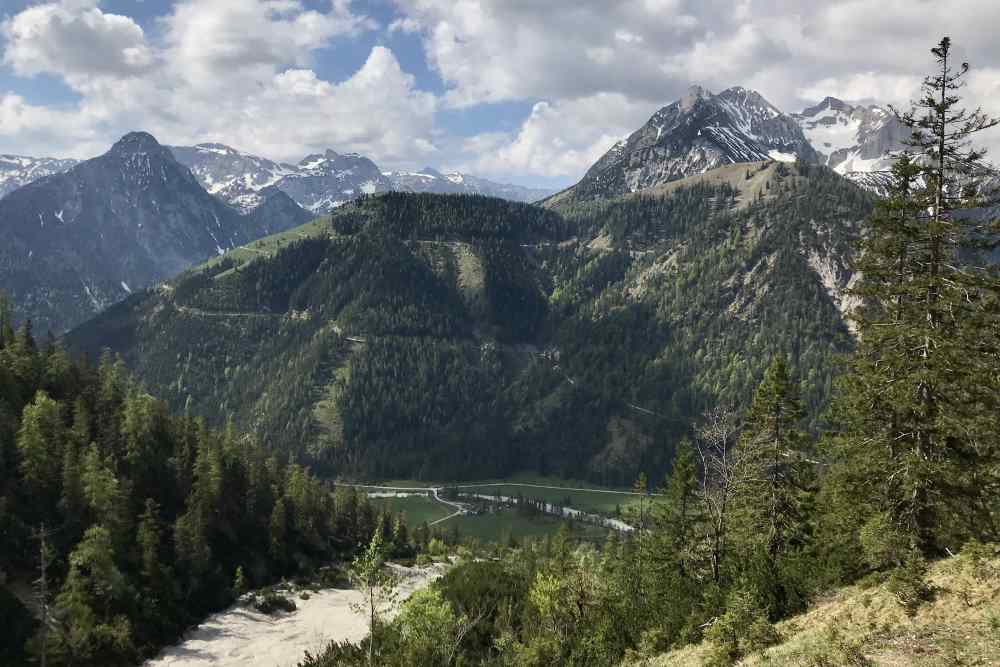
[
  {"x": 235, "y": 72},
  {"x": 408, "y": 25},
  {"x": 558, "y": 139},
  {"x": 74, "y": 39},
  {"x": 592, "y": 71},
  {"x": 647, "y": 53},
  {"x": 497, "y": 50},
  {"x": 865, "y": 87}
]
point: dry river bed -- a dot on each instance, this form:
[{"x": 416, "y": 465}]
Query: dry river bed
[{"x": 241, "y": 636}]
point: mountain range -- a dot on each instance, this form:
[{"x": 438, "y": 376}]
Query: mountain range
[
  {"x": 852, "y": 139},
  {"x": 82, "y": 239},
  {"x": 318, "y": 182},
  {"x": 18, "y": 170},
  {"x": 323, "y": 181},
  {"x": 416, "y": 335},
  {"x": 89, "y": 236},
  {"x": 703, "y": 131}
]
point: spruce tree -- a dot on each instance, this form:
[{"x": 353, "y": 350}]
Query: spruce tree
[
  {"x": 40, "y": 444},
  {"x": 775, "y": 503},
  {"x": 918, "y": 440},
  {"x": 773, "y": 440}
]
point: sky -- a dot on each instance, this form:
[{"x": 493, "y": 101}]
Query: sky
[{"x": 523, "y": 91}]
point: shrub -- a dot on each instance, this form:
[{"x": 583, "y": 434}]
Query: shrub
[
  {"x": 272, "y": 603},
  {"x": 909, "y": 584},
  {"x": 437, "y": 548},
  {"x": 741, "y": 630},
  {"x": 883, "y": 543},
  {"x": 834, "y": 650},
  {"x": 975, "y": 558}
]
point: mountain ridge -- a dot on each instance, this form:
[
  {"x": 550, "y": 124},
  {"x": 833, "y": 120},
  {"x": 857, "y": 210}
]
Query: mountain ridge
[
  {"x": 332, "y": 332},
  {"x": 697, "y": 133},
  {"x": 18, "y": 170},
  {"x": 323, "y": 181},
  {"x": 84, "y": 238},
  {"x": 853, "y": 140}
]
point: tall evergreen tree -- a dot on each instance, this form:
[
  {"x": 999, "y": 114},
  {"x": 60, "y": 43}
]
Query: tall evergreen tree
[
  {"x": 775, "y": 503},
  {"x": 40, "y": 443},
  {"x": 773, "y": 440},
  {"x": 918, "y": 441}
]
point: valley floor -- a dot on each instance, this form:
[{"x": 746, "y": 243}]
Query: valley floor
[{"x": 242, "y": 637}]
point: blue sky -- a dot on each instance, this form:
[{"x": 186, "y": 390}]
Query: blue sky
[{"x": 524, "y": 91}]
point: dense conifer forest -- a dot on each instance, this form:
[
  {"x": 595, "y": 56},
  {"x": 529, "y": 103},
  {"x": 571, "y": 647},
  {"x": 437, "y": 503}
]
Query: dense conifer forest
[
  {"x": 139, "y": 522},
  {"x": 459, "y": 337}
]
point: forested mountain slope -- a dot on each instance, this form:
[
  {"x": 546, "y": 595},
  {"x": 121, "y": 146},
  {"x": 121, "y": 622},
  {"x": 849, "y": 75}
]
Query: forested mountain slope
[
  {"x": 444, "y": 336},
  {"x": 134, "y": 523}
]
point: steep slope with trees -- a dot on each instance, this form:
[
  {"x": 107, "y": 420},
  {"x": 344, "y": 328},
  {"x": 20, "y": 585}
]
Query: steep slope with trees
[
  {"x": 443, "y": 336},
  {"x": 136, "y": 523}
]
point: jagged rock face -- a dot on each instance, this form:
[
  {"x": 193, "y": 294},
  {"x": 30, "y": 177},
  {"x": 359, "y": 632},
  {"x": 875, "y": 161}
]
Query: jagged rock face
[
  {"x": 18, "y": 170},
  {"x": 319, "y": 182},
  {"x": 236, "y": 178},
  {"x": 322, "y": 182},
  {"x": 697, "y": 133},
  {"x": 853, "y": 140},
  {"x": 277, "y": 211},
  {"x": 431, "y": 180},
  {"x": 78, "y": 241}
]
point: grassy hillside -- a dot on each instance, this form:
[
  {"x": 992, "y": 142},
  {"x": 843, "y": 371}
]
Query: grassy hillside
[{"x": 865, "y": 625}]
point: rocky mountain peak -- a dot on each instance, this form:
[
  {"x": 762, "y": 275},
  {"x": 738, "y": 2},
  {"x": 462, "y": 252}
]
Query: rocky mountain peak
[
  {"x": 137, "y": 142},
  {"x": 699, "y": 132},
  {"x": 853, "y": 140},
  {"x": 693, "y": 95}
]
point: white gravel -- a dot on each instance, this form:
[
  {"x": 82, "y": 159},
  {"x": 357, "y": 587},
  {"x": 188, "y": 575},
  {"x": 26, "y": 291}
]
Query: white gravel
[{"x": 241, "y": 636}]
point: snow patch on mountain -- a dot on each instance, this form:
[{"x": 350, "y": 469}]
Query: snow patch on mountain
[
  {"x": 697, "y": 133},
  {"x": 18, "y": 170},
  {"x": 853, "y": 140}
]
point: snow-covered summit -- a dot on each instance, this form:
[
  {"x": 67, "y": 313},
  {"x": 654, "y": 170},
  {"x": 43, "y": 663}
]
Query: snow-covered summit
[
  {"x": 18, "y": 170},
  {"x": 323, "y": 181},
  {"x": 852, "y": 139}
]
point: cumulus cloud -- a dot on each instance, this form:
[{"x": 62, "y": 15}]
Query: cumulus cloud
[
  {"x": 76, "y": 40},
  {"x": 497, "y": 50},
  {"x": 647, "y": 52},
  {"x": 558, "y": 138},
  {"x": 590, "y": 71},
  {"x": 236, "y": 72}
]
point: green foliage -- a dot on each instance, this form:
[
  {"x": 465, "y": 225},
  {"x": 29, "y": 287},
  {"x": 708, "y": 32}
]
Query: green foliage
[
  {"x": 95, "y": 601},
  {"x": 149, "y": 514},
  {"x": 428, "y": 630},
  {"x": 743, "y": 629},
  {"x": 378, "y": 586},
  {"x": 334, "y": 346},
  {"x": 884, "y": 544},
  {"x": 916, "y": 450},
  {"x": 909, "y": 584}
]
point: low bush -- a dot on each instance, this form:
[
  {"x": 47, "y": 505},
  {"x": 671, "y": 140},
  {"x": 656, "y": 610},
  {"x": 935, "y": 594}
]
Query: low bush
[{"x": 272, "y": 603}]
